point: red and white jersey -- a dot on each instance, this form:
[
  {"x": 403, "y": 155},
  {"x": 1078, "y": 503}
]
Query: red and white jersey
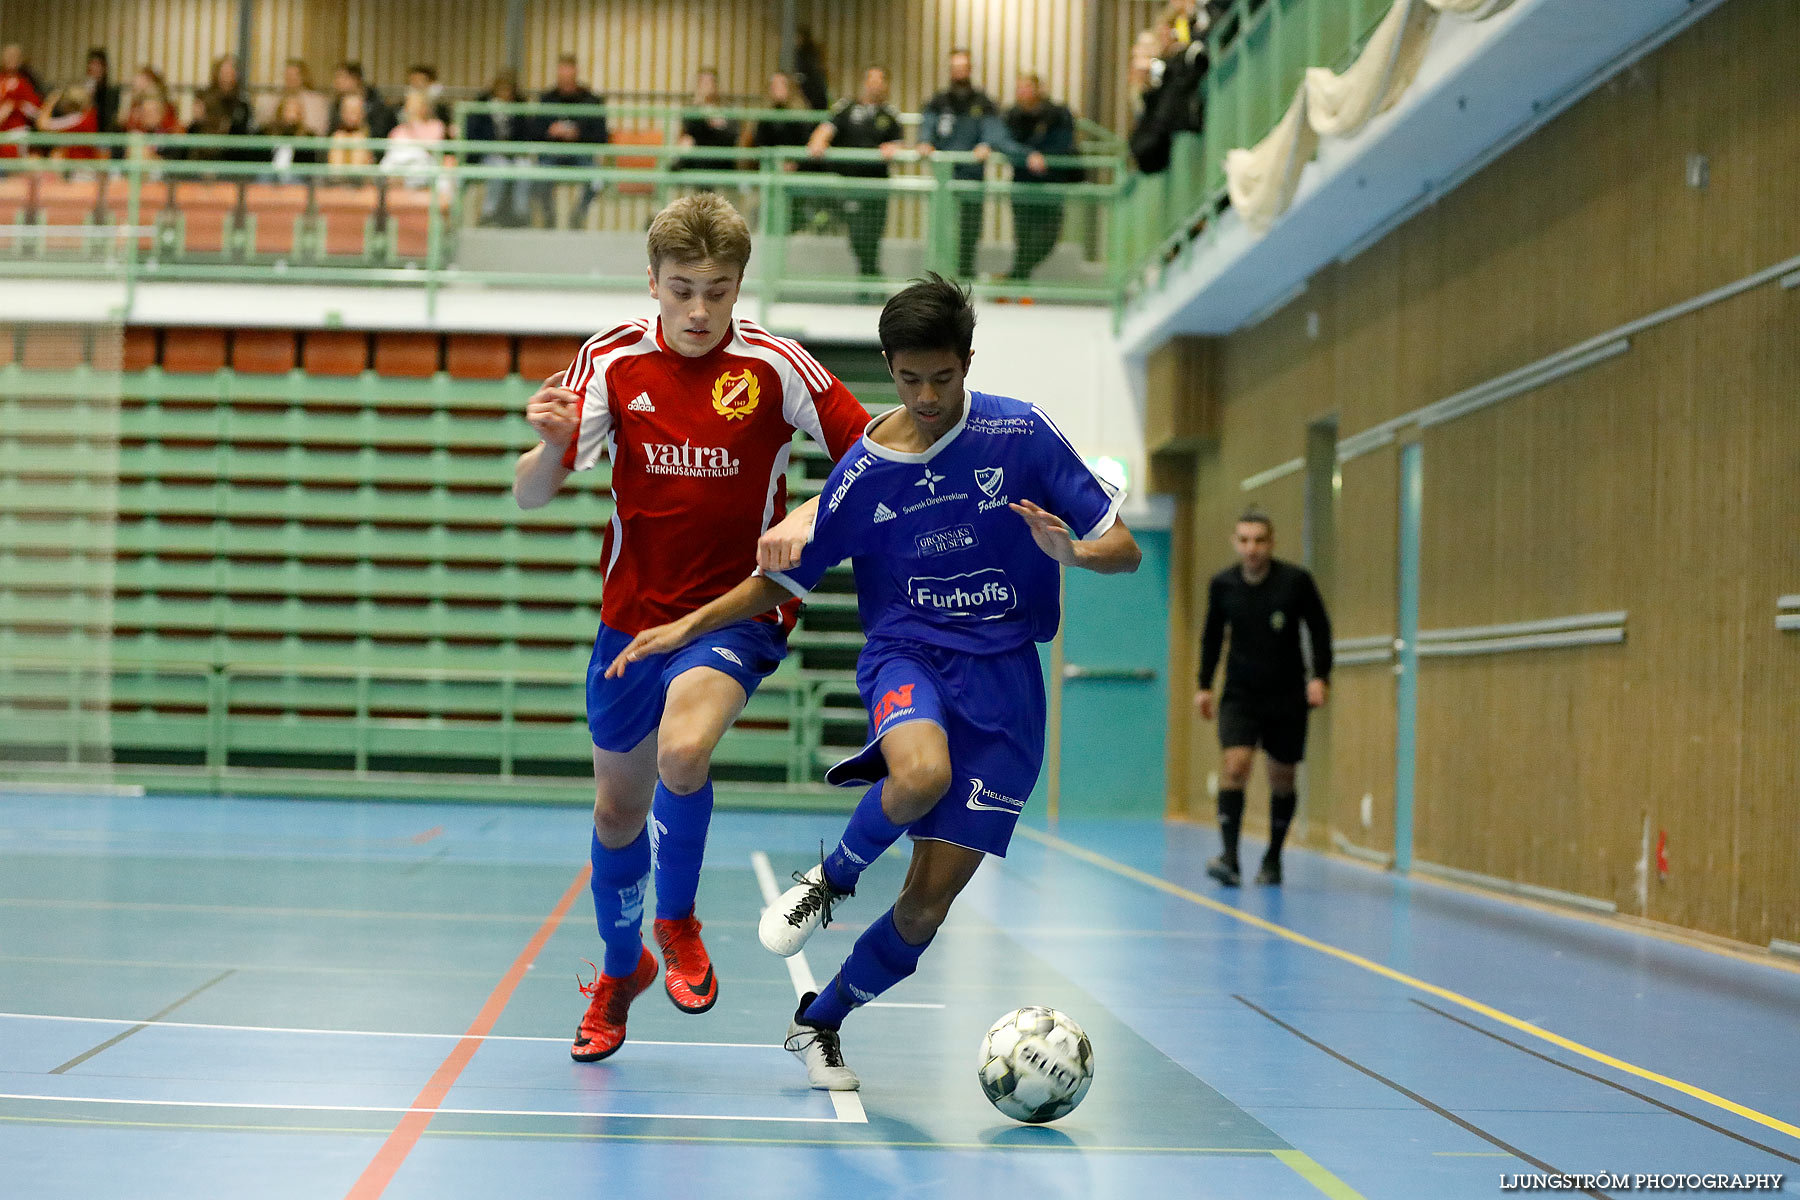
[{"x": 699, "y": 450}]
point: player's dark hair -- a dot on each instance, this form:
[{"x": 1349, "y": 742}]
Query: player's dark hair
[
  {"x": 1254, "y": 515},
  {"x": 932, "y": 313}
]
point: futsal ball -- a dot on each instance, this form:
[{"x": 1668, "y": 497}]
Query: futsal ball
[{"x": 1036, "y": 1065}]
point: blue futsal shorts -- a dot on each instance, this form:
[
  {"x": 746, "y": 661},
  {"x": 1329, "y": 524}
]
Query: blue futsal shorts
[
  {"x": 622, "y": 712},
  {"x": 991, "y": 708}
]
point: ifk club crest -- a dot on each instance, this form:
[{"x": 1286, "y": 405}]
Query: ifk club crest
[{"x": 735, "y": 394}]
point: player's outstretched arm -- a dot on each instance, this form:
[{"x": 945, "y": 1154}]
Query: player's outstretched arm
[
  {"x": 756, "y": 595},
  {"x": 780, "y": 548},
  {"x": 1114, "y": 552},
  {"x": 552, "y": 412}
]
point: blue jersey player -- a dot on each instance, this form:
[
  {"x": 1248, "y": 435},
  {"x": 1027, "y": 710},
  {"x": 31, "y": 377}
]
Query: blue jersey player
[{"x": 955, "y": 510}]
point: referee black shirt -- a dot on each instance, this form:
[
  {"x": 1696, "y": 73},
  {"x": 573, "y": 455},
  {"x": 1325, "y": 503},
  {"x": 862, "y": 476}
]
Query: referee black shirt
[{"x": 1267, "y": 667}]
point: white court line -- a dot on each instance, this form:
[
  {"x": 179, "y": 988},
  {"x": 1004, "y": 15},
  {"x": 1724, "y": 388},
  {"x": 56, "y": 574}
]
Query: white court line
[
  {"x": 460, "y": 1112},
  {"x": 453, "y": 1037},
  {"x": 848, "y": 1104}
]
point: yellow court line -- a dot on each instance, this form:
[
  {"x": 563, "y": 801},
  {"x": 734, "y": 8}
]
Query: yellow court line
[
  {"x": 848, "y": 1143},
  {"x": 1308, "y": 1168},
  {"x": 1432, "y": 989}
]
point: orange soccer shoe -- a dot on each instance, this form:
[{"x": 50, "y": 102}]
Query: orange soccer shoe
[
  {"x": 688, "y": 973},
  {"x": 602, "y": 1029}
]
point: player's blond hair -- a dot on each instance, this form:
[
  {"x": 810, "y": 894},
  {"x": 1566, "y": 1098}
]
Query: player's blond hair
[{"x": 703, "y": 227}]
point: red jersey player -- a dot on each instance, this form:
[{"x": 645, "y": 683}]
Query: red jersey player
[{"x": 697, "y": 412}]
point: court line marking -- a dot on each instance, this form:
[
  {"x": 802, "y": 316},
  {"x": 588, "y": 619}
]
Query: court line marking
[
  {"x": 1430, "y": 989},
  {"x": 415, "y": 1112},
  {"x": 683, "y": 1138},
  {"x": 1601, "y": 1079},
  {"x": 849, "y": 1105},
  {"x": 1416, "y": 1098},
  {"x": 139, "y": 1026},
  {"x": 382, "y": 1033},
  {"x": 380, "y": 1171},
  {"x": 1310, "y": 1169},
  {"x": 238, "y": 910}
]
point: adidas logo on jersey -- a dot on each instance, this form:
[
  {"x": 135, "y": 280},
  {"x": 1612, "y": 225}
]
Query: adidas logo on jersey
[
  {"x": 882, "y": 513},
  {"x": 641, "y": 404}
]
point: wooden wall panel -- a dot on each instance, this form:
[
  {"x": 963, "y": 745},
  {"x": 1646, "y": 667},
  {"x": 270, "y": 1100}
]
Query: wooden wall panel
[
  {"x": 625, "y": 46},
  {"x": 389, "y": 36},
  {"x": 179, "y": 37},
  {"x": 1661, "y": 482}
]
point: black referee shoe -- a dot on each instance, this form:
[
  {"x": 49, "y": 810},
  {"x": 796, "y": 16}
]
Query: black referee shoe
[
  {"x": 1225, "y": 872},
  {"x": 1270, "y": 873}
]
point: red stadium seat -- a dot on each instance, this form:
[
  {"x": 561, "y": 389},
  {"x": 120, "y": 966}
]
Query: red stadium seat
[
  {"x": 139, "y": 349},
  {"x": 67, "y": 202},
  {"x": 348, "y": 214},
  {"x": 9, "y": 341},
  {"x": 479, "y": 356},
  {"x": 153, "y": 199},
  {"x": 264, "y": 351},
  {"x": 207, "y": 210},
  {"x": 54, "y": 348},
  {"x": 409, "y": 219},
  {"x": 406, "y": 355},
  {"x": 276, "y": 210},
  {"x": 644, "y": 136},
  {"x": 545, "y": 356},
  {"x": 188, "y": 351},
  {"x": 334, "y": 352},
  {"x": 16, "y": 198}
]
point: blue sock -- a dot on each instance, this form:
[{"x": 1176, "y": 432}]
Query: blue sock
[
  {"x": 618, "y": 886},
  {"x": 865, "y": 838},
  {"x": 881, "y": 959},
  {"x": 677, "y": 844}
]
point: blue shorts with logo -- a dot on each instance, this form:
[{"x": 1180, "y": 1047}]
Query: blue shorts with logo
[
  {"x": 991, "y": 708},
  {"x": 622, "y": 712}
]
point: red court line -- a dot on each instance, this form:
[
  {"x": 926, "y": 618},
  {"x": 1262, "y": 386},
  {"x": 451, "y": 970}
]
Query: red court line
[
  {"x": 426, "y": 835},
  {"x": 382, "y": 1168}
]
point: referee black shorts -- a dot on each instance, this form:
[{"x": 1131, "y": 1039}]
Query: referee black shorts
[{"x": 1279, "y": 728}]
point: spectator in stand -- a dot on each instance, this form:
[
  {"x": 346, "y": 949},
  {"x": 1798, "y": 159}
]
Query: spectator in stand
[
  {"x": 409, "y": 153},
  {"x": 296, "y": 83},
  {"x": 71, "y": 110},
  {"x": 223, "y": 111},
  {"x": 350, "y": 139},
  {"x": 957, "y": 118},
  {"x": 21, "y": 95},
  {"x": 347, "y": 80},
  {"x": 106, "y": 93},
  {"x": 809, "y": 70},
  {"x": 569, "y": 130},
  {"x": 424, "y": 78},
  {"x": 504, "y": 202},
  {"x": 779, "y": 131},
  {"x": 148, "y": 109},
  {"x": 289, "y": 122},
  {"x": 707, "y": 129},
  {"x": 867, "y": 123},
  {"x": 1034, "y": 130},
  {"x": 1174, "y": 92},
  {"x": 795, "y": 132}
]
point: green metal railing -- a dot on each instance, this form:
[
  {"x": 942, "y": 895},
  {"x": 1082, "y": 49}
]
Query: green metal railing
[
  {"x": 419, "y": 219},
  {"x": 1259, "y": 51}
]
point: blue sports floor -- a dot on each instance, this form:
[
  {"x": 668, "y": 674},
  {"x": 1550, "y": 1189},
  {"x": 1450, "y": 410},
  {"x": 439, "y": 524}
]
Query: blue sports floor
[{"x": 220, "y": 998}]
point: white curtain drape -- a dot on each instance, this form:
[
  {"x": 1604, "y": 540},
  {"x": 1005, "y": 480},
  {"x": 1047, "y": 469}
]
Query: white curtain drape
[
  {"x": 1339, "y": 105},
  {"x": 1262, "y": 180}
]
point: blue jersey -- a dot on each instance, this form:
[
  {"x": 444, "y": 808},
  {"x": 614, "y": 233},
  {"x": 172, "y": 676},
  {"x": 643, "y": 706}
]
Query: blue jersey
[{"x": 938, "y": 555}]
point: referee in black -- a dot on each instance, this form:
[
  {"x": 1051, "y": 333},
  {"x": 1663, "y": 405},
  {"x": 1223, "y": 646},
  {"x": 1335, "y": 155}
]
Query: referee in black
[{"x": 1265, "y": 602}]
